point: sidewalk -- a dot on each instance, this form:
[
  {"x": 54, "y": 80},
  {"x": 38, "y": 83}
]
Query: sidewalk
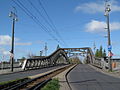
[
  {"x": 62, "y": 79},
  {"x": 114, "y": 73}
]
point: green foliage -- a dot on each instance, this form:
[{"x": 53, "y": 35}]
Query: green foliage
[
  {"x": 23, "y": 58},
  {"x": 6, "y": 82},
  {"x": 58, "y": 46},
  {"x": 104, "y": 53},
  {"x": 100, "y": 53},
  {"x": 52, "y": 85},
  {"x": 97, "y": 53},
  {"x": 75, "y": 60}
]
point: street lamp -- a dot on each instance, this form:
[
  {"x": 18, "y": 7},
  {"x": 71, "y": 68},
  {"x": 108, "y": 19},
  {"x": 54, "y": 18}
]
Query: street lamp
[
  {"x": 107, "y": 10},
  {"x": 14, "y": 18}
]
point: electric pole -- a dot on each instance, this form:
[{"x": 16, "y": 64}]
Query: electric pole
[
  {"x": 41, "y": 52},
  {"x": 14, "y": 19},
  {"x": 107, "y": 10},
  {"x": 94, "y": 47},
  {"x": 3, "y": 58},
  {"x": 46, "y": 49}
]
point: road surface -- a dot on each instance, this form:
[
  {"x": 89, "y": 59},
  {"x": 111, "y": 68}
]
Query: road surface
[
  {"x": 84, "y": 77},
  {"x": 18, "y": 75}
]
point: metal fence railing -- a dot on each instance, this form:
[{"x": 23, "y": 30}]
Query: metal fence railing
[{"x": 8, "y": 65}]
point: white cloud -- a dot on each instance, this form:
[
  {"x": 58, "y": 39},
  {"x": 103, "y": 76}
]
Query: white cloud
[
  {"x": 90, "y": 8},
  {"x": 95, "y": 7},
  {"x": 115, "y": 26},
  {"x": 40, "y": 42},
  {"x": 6, "y": 40},
  {"x": 4, "y": 52},
  {"x": 99, "y": 26},
  {"x": 28, "y": 43}
]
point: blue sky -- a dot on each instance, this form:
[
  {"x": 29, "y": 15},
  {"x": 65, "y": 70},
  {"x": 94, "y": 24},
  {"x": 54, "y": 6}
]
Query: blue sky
[{"x": 80, "y": 23}]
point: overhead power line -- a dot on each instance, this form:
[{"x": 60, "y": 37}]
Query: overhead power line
[
  {"x": 50, "y": 20},
  {"x": 34, "y": 18},
  {"x": 40, "y": 13}
]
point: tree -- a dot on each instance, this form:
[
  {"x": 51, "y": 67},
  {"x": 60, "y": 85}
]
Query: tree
[
  {"x": 58, "y": 46},
  {"x": 23, "y": 58},
  {"x": 100, "y": 52},
  {"x": 97, "y": 53},
  {"x": 75, "y": 60},
  {"x": 104, "y": 53}
]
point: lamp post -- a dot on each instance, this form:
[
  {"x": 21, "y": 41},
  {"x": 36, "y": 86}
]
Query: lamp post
[
  {"x": 107, "y": 10},
  {"x": 14, "y": 19}
]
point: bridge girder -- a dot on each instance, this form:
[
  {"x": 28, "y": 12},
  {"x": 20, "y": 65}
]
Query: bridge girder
[
  {"x": 51, "y": 60},
  {"x": 47, "y": 61}
]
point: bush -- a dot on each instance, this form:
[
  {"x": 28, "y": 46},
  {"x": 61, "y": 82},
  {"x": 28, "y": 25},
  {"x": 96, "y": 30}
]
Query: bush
[{"x": 52, "y": 85}]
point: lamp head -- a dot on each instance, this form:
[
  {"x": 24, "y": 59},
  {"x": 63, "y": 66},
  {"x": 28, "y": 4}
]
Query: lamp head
[
  {"x": 16, "y": 19},
  {"x": 10, "y": 14},
  {"x": 106, "y": 14}
]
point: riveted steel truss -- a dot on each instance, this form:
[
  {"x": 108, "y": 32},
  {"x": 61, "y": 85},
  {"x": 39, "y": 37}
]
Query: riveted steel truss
[
  {"x": 60, "y": 56},
  {"x": 57, "y": 57}
]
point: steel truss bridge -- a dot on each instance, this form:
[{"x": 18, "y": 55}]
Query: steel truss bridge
[{"x": 61, "y": 56}]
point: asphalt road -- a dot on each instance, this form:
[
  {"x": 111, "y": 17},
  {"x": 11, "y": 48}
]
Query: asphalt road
[
  {"x": 18, "y": 75},
  {"x": 84, "y": 77}
]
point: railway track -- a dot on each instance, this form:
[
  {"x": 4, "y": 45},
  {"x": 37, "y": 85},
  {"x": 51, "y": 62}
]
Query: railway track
[{"x": 35, "y": 83}]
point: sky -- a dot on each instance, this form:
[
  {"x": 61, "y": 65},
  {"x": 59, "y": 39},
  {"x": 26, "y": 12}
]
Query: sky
[{"x": 69, "y": 23}]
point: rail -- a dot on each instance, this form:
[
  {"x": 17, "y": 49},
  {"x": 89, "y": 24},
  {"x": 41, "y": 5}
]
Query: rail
[{"x": 35, "y": 83}]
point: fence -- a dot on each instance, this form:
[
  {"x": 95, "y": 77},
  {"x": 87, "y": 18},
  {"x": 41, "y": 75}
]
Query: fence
[{"x": 7, "y": 65}]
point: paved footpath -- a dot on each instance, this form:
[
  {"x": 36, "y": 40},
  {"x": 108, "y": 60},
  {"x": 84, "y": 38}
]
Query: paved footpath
[
  {"x": 84, "y": 77},
  {"x": 62, "y": 79}
]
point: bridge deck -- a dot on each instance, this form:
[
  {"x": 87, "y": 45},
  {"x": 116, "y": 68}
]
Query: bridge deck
[{"x": 83, "y": 77}]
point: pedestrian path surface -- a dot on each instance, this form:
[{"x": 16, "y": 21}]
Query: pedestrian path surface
[{"x": 84, "y": 77}]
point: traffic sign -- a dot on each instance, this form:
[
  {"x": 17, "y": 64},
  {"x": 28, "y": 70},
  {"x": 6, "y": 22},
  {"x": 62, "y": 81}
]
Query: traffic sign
[
  {"x": 110, "y": 54},
  {"x": 109, "y": 47}
]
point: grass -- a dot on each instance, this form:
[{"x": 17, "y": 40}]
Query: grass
[
  {"x": 52, "y": 85},
  {"x": 6, "y": 82},
  {"x": 111, "y": 71},
  {"x": 11, "y": 81}
]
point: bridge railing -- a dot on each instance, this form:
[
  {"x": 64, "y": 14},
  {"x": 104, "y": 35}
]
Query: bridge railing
[
  {"x": 47, "y": 61},
  {"x": 7, "y": 65},
  {"x": 103, "y": 63},
  {"x": 98, "y": 62}
]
